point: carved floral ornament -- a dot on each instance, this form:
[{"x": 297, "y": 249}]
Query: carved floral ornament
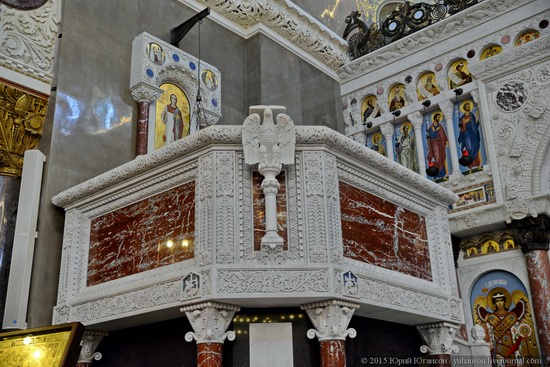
[
  {"x": 21, "y": 120},
  {"x": 29, "y": 33}
]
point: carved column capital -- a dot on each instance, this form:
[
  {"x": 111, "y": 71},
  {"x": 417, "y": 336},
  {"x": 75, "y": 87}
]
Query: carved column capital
[
  {"x": 438, "y": 337},
  {"x": 416, "y": 119},
  {"x": 331, "y": 319},
  {"x": 145, "y": 92},
  {"x": 531, "y": 233},
  {"x": 210, "y": 321},
  {"x": 21, "y": 120},
  {"x": 447, "y": 108},
  {"x": 89, "y": 343},
  {"x": 387, "y": 129}
]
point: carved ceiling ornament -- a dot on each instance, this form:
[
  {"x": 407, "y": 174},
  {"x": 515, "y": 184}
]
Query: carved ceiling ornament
[
  {"x": 21, "y": 120},
  {"x": 28, "y": 37},
  {"x": 284, "y": 18},
  {"x": 24, "y": 4}
]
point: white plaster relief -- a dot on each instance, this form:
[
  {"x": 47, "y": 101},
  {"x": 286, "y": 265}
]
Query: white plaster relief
[
  {"x": 334, "y": 225},
  {"x": 28, "y": 38},
  {"x": 150, "y": 298},
  {"x": 224, "y": 215},
  {"x": 285, "y": 19},
  {"x": 314, "y": 199},
  {"x": 204, "y": 208},
  {"x": 273, "y": 281}
]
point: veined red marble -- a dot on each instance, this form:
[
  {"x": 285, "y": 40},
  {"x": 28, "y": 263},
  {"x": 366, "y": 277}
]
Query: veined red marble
[
  {"x": 378, "y": 232},
  {"x": 209, "y": 355},
  {"x": 333, "y": 353},
  {"x": 136, "y": 238},
  {"x": 258, "y": 201},
  {"x": 538, "y": 267}
]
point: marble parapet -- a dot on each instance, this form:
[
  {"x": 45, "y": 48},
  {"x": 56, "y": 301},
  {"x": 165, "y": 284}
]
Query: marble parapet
[{"x": 182, "y": 225}]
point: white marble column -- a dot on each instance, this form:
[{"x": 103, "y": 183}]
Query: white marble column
[
  {"x": 387, "y": 130},
  {"x": 416, "y": 119},
  {"x": 447, "y": 109},
  {"x": 331, "y": 319}
]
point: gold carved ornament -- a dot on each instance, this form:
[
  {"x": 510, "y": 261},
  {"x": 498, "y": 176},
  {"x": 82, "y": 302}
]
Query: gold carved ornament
[{"x": 21, "y": 120}]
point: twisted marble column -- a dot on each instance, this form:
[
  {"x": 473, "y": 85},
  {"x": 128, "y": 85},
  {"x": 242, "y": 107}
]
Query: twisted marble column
[{"x": 331, "y": 319}]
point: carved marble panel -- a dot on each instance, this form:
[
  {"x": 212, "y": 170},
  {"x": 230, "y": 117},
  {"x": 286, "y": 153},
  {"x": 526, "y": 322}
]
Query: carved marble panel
[
  {"x": 378, "y": 232},
  {"x": 154, "y": 232}
]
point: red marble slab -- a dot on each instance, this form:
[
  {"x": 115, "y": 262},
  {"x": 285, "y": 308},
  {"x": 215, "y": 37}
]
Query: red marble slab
[
  {"x": 378, "y": 232},
  {"x": 258, "y": 204},
  {"x": 135, "y": 238}
]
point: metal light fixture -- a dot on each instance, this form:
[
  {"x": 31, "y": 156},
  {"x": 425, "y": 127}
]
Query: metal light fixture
[
  {"x": 466, "y": 159},
  {"x": 432, "y": 170},
  {"x": 426, "y": 103},
  {"x": 198, "y": 113}
]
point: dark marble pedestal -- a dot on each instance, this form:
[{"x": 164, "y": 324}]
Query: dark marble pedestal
[{"x": 9, "y": 198}]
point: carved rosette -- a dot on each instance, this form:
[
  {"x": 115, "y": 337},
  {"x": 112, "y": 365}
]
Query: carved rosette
[
  {"x": 439, "y": 338},
  {"x": 89, "y": 343},
  {"x": 21, "y": 120},
  {"x": 210, "y": 321},
  {"x": 331, "y": 319}
]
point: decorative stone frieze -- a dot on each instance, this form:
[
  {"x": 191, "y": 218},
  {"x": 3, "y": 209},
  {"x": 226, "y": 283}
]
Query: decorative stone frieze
[
  {"x": 28, "y": 39},
  {"x": 330, "y": 319},
  {"x": 210, "y": 321},
  {"x": 439, "y": 338},
  {"x": 284, "y": 18}
]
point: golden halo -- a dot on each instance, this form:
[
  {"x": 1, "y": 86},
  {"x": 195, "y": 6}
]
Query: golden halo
[
  {"x": 464, "y": 103},
  {"x": 406, "y": 123},
  {"x": 499, "y": 290}
]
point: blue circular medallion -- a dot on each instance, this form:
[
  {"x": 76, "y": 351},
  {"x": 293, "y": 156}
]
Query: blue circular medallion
[
  {"x": 214, "y": 102},
  {"x": 176, "y": 58},
  {"x": 150, "y": 73},
  {"x": 192, "y": 65}
]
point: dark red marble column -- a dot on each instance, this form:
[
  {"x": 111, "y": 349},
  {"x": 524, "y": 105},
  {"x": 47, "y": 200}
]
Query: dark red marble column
[
  {"x": 333, "y": 353},
  {"x": 142, "y": 127},
  {"x": 533, "y": 235},
  {"x": 209, "y": 355}
]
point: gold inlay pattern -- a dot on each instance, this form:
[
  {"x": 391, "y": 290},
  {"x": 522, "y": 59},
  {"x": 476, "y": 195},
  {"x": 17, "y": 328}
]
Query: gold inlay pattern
[{"x": 21, "y": 120}]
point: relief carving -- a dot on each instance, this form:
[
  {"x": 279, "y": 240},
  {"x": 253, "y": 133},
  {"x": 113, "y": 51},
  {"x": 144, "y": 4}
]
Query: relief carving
[{"x": 21, "y": 120}]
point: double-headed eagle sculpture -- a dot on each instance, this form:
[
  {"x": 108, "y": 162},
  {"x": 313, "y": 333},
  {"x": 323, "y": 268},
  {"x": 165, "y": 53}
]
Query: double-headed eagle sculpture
[{"x": 270, "y": 146}]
